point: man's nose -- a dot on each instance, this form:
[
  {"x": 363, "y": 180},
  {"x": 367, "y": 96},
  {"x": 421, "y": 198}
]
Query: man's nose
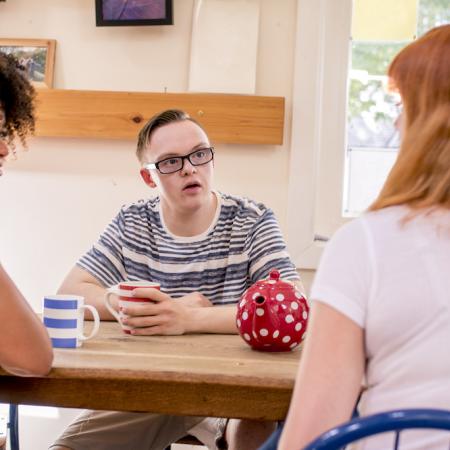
[{"x": 188, "y": 167}]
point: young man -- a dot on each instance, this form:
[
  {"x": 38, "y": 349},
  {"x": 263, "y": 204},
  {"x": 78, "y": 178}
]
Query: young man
[{"x": 204, "y": 248}]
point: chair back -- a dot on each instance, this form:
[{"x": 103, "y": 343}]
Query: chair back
[{"x": 394, "y": 421}]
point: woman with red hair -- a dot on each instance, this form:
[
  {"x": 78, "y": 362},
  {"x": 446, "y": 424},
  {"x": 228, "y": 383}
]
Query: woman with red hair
[{"x": 381, "y": 302}]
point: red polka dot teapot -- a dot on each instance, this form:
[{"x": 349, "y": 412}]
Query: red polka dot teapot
[{"x": 272, "y": 315}]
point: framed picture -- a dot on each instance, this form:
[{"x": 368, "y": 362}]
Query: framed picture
[
  {"x": 133, "y": 12},
  {"x": 37, "y": 56}
]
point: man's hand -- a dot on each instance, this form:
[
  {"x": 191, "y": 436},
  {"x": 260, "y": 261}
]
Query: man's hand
[
  {"x": 166, "y": 315},
  {"x": 195, "y": 300}
]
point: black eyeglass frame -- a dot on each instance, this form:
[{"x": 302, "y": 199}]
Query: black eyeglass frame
[{"x": 153, "y": 166}]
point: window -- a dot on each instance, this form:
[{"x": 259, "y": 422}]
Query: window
[
  {"x": 343, "y": 141},
  {"x": 372, "y": 138}
]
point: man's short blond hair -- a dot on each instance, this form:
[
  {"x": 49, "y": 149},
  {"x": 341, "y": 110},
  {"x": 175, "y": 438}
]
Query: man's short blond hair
[{"x": 158, "y": 121}]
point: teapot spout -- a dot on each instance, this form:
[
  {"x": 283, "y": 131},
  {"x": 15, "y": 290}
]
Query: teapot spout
[{"x": 260, "y": 300}]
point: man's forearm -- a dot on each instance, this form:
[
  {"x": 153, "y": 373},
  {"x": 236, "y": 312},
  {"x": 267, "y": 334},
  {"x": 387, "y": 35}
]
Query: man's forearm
[
  {"x": 213, "y": 319},
  {"x": 93, "y": 295}
]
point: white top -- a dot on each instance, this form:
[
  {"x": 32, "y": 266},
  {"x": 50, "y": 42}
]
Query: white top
[{"x": 393, "y": 279}]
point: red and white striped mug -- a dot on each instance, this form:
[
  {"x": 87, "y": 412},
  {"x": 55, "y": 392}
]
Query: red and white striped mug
[{"x": 124, "y": 291}]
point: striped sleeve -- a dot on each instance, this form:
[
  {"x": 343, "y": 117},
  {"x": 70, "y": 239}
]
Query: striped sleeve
[
  {"x": 267, "y": 250},
  {"x": 104, "y": 260}
]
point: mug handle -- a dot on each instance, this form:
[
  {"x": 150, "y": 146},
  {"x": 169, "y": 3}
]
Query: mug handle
[
  {"x": 108, "y": 305},
  {"x": 96, "y": 323}
]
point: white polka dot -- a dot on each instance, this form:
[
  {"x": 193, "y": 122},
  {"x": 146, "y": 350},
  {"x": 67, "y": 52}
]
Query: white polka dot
[
  {"x": 289, "y": 318},
  {"x": 305, "y": 315},
  {"x": 272, "y": 281},
  {"x": 284, "y": 306},
  {"x": 293, "y": 345},
  {"x": 286, "y": 339},
  {"x": 242, "y": 303},
  {"x": 256, "y": 295},
  {"x": 294, "y": 305},
  {"x": 263, "y": 332},
  {"x": 280, "y": 297},
  {"x": 259, "y": 312},
  {"x": 238, "y": 323},
  {"x": 298, "y": 326},
  {"x": 246, "y": 337},
  {"x": 254, "y": 334},
  {"x": 298, "y": 295},
  {"x": 245, "y": 315},
  {"x": 276, "y": 333}
]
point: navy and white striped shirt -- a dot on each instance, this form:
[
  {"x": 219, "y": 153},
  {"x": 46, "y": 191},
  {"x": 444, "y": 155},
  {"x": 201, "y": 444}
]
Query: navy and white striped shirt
[{"x": 241, "y": 246}]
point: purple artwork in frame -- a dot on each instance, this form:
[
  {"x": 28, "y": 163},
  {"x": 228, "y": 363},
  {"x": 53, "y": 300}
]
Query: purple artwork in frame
[{"x": 133, "y": 12}]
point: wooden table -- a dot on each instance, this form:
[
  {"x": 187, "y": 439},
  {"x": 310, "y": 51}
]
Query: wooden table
[{"x": 205, "y": 375}]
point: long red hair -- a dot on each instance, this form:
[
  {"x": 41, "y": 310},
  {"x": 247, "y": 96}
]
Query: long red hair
[{"x": 420, "y": 177}]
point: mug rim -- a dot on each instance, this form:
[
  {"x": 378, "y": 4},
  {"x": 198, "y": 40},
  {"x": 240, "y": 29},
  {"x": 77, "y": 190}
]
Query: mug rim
[
  {"x": 130, "y": 285},
  {"x": 63, "y": 297},
  {"x": 123, "y": 298}
]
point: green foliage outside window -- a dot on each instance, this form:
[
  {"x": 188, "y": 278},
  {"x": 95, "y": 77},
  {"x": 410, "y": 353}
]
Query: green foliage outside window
[{"x": 370, "y": 60}]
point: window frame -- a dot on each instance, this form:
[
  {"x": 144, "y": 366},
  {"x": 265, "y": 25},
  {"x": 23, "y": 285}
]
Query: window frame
[{"x": 319, "y": 103}]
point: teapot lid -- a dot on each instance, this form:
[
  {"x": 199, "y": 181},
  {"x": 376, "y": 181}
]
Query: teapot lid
[
  {"x": 274, "y": 281},
  {"x": 274, "y": 275}
]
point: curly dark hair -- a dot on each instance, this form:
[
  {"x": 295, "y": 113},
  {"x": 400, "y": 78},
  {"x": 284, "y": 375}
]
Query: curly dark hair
[{"x": 17, "y": 97}]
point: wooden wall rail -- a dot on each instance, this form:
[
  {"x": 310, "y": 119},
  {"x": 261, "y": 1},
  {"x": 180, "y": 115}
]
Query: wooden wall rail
[{"x": 228, "y": 118}]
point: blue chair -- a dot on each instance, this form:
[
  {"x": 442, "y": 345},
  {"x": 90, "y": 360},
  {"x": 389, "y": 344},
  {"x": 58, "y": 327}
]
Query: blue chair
[
  {"x": 394, "y": 421},
  {"x": 272, "y": 442},
  {"x": 14, "y": 426}
]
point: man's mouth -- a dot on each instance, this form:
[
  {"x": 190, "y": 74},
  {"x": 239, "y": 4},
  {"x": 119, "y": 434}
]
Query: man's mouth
[{"x": 190, "y": 186}]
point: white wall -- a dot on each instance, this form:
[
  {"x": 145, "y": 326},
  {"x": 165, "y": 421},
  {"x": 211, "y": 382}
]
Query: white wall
[{"x": 58, "y": 196}]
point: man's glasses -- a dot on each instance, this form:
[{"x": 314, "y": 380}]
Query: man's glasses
[{"x": 175, "y": 163}]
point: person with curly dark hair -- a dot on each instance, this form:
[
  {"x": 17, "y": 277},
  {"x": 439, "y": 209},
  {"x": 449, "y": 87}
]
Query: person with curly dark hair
[
  {"x": 25, "y": 348},
  {"x": 16, "y": 101}
]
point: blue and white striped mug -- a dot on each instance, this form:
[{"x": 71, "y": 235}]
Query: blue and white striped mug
[{"x": 64, "y": 320}]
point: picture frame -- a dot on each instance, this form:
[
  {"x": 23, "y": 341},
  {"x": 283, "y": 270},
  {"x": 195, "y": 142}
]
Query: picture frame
[
  {"x": 36, "y": 55},
  {"x": 129, "y": 13}
]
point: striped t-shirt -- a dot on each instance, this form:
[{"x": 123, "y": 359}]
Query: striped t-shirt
[{"x": 241, "y": 246}]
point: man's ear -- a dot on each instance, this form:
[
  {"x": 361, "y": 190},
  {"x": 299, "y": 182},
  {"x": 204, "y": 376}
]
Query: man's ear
[{"x": 147, "y": 177}]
